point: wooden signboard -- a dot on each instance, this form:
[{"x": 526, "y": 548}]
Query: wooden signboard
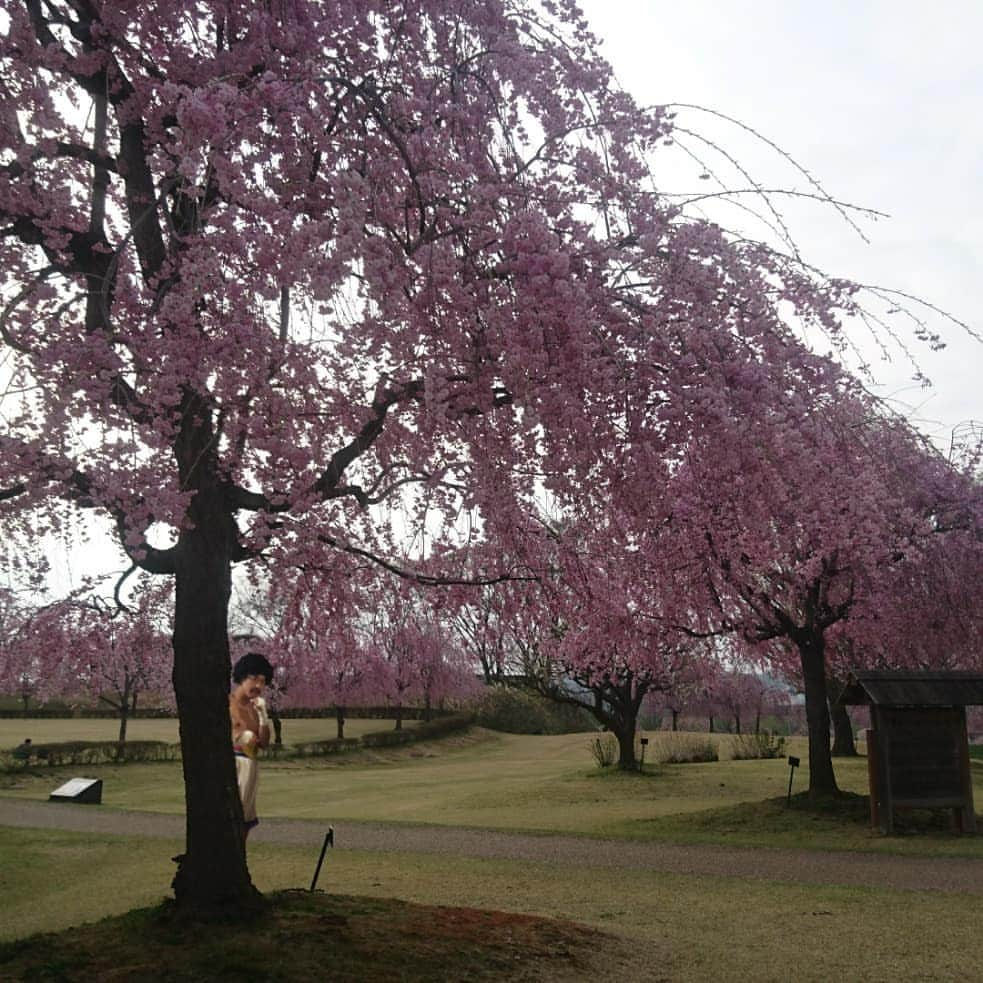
[{"x": 920, "y": 760}]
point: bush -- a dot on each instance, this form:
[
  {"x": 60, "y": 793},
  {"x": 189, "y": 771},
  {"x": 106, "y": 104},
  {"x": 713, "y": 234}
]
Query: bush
[
  {"x": 430, "y": 728},
  {"x": 319, "y": 749},
  {"x": 604, "y": 750},
  {"x": 77, "y": 753},
  {"x": 518, "y": 711},
  {"x": 513, "y": 711},
  {"x": 674, "y": 748},
  {"x": 764, "y": 744}
]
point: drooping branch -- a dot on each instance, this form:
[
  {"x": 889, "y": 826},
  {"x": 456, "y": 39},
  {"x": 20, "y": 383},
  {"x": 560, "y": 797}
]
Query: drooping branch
[{"x": 418, "y": 577}]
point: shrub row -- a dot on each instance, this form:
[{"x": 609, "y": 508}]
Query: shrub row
[
  {"x": 517, "y": 711},
  {"x": 316, "y": 749},
  {"x": 78, "y": 753},
  {"x": 93, "y": 713},
  {"x": 764, "y": 744},
  {"x": 675, "y": 748},
  {"x": 386, "y": 738}
]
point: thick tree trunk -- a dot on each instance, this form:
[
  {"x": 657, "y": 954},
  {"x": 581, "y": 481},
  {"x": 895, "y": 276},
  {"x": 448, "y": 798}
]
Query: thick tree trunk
[
  {"x": 625, "y": 732},
  {"x": 711, "y": 723},
  {"x": 812, "y": 657},
  {"x": 844, "y": 745},
  {"x": 675, "y": 720},
  {"x": 399, "y": 716},
  {"x": 277, "y": 722},
  {"x": 339, "y": 714},
  {"x": 212, "y": 874}
]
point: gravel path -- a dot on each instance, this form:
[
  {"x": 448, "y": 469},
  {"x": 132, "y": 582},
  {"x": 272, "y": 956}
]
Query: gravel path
[{"x": 953, "y": 875}]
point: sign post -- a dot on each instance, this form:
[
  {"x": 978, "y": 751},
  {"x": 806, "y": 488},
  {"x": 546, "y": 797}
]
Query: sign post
[{"x": 793, "y": 763}]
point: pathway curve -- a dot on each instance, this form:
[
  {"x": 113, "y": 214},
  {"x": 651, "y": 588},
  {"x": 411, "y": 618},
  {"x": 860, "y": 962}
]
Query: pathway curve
[{"x": 954, "y": 875}]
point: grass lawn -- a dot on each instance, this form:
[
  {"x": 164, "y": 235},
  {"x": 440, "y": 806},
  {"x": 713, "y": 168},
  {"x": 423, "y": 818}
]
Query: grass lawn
[
  {"x": 635, "y": 925},
  {"x": 666, "y": 926},
  {"x": 541, "y": 784}
]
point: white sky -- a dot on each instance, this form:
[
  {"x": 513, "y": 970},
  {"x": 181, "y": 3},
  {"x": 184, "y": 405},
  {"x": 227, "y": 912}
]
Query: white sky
[{"x": 881, "y": 100}]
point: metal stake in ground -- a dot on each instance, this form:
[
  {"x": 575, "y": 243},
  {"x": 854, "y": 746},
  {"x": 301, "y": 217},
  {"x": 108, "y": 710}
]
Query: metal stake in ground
[
  {"x": 328, "y": 841},
  {"x": 793, "y": 764}
]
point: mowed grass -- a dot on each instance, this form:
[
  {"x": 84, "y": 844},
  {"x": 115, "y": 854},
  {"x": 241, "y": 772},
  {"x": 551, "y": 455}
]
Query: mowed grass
[
  {"x": 47, "y": 731},
  {"x": 665, "y": 926},
  {"x": 487, "y": 780}
]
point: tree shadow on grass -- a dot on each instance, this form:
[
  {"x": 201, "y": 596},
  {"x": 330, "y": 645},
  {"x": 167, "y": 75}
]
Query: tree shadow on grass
[{"x": 305, "y": 935}]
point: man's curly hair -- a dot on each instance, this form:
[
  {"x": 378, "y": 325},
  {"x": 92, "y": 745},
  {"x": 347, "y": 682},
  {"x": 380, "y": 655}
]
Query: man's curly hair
[{"x": 252, "y": 664}]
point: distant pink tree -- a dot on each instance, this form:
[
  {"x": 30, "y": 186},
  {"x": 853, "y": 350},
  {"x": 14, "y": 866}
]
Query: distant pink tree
[
  {"x": 802, "y": 529},
  {"x": 115, "y": 654},
  {"x": 747, "y": 697},
  {"x": 323, "y": 657},
  {"x": 609, "y": 625}
]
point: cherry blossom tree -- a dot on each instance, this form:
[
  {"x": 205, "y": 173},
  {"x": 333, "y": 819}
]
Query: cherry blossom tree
[
  {"x": 815, "y": 524},
  {"x": 747, "y": 696},
  {"x": 123, "y": 655},
  {"x": 421, "y": 662},
  {"x": 277, "y": 275},
  {"x": 608, "y": 626},
  {"x": 21, "y": 672},
  {"x": 115, "y": 653}
]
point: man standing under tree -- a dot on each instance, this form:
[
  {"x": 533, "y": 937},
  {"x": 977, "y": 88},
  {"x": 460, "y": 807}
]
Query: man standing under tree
[{"x": 250, "y": 727}]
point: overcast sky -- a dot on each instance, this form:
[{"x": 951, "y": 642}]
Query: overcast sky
[{"x": 881, "y": 100}]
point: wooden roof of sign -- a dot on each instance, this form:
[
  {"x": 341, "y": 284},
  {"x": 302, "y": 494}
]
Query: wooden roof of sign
[{"x": 908, "y": 688}]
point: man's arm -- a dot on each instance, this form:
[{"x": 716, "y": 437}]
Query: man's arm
[{"x": 263, "y": 737}]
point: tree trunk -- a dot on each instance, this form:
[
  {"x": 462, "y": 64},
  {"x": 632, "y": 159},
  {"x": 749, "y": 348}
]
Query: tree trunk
[
  {"x": 339, "y": 713},
  {"x": 277, "y": 722},
  {"x": 625, "y": 732},
  {"x": 675, "y": 720},
  {"x": 212, "y": 874},
  {"x": 124, "y": 714},
  {"x": 812, "y": 657},
  {"x": 711, "y": 723},
  {"x": 737, "y": 722},
  {"x": 844, "y": 745},
  {"x": 399, "y": 716}
]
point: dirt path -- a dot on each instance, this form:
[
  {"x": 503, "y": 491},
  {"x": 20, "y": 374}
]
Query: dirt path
[{"x": 954, "y": 875}]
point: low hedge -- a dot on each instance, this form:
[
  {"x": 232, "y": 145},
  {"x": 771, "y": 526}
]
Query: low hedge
[
  {"x": 422, "y": 732},
  {"x": 520, "y": 711},
  {"x": 318, "y": 749},
  {"x": 76, "y": 753}
]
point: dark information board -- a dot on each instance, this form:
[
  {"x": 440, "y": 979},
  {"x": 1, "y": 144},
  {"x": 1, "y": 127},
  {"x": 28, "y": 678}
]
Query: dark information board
[{"x": 924, "y": 752}]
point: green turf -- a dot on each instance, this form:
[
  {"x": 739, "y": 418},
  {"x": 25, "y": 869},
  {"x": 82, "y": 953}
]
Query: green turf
[
  {"x": 542, "y": 784},
  {"x": 687, "y": 928}
]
